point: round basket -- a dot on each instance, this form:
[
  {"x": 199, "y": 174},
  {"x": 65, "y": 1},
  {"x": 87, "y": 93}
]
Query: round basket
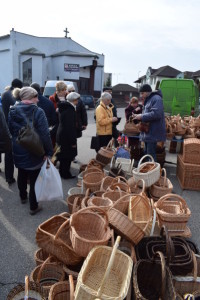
[
  {"x": 106, "y": 182},
  {"x": 74, "y": 202},
  {"x": 105, "y": 154},
  {"x": 41, "y": 255},
  {"x": 94, "y": 163},
  {"x": 114, "y": 195},
  {"x": 74, "y": 190},
  {"x": 89, "y": 229},
  {"x": 162, "y": 187},
  {"x": 92, "y": 181},
  {"x": 151, "y": 176},
  {"x": 136, "y": 187},
  {"x": 103, "y": 203},
  {"x": 63, "y": 290},
  {"x": 46, "y": 275},
  {"x": 30, "y": 288}
]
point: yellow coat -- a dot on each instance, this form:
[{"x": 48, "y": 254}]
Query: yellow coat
[{"x": 104, "y": 117}]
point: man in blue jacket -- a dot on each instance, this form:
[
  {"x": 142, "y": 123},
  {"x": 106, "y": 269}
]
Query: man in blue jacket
[{"x": 153, "y": 114}]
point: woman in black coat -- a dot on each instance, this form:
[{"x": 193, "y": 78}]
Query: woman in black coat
[{"x": 66, "y": 136}]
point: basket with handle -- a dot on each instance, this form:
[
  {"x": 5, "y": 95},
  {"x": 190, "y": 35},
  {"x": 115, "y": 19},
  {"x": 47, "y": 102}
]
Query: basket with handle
[
  {"x": 121, "y": 183},
  {"x": 130, "y": 128},
  {"x": 153, "y": 280},
  {"x": 105, "y": 274},
  {"x": 94, "y": 163},
  {"x": 106, "y": 182},
  {"x": 54, "y": 237},
  {"x": 162, "y": 187},
  {"x": 103, "y": 203},
  {"x": 29, "y": 289},
  {"x": 126, "y": 164},
  {"x": 63, "y": 290},
  {"x": 47, "y": 275},
  {"x": 148, "y": 171},
  {"x": 136, "y": 187},
  {"x": 173, "y": 212},
  {"x": 105, "y": 154},
  {"x": 74, "y": 202},
  {"x": 92, "y": 181},
  {"x": 114, "y": 195},
  {"x": 140, "y": 212},
  {"x": 169, "y": 133},
  {"x": 122, "y": 203},
  {"x": 89, "y": 229},
  {"x": 41, "y": 255},
  {"x": 124, "y": 226}
]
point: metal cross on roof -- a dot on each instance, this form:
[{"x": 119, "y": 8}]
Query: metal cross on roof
[{"x": 66, "y": 32}]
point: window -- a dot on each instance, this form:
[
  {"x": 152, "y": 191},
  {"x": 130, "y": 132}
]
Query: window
[{"x": 27, "y": 71}]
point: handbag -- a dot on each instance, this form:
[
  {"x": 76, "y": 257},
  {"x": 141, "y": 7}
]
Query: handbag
[
  {"x": 48, "y": 185},
  {"x": 29, "y": 139},
  {"x": 143, "y": 127},
  {"x": 95, "y": 143},
  {"x": 130, "y": 128}
]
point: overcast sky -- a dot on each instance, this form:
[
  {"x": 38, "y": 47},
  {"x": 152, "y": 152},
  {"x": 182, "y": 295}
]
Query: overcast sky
[{"x": 132, "y": 34}]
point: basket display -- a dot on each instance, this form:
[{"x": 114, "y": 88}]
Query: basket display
[
  {"x": 63, "y": 290},
  {"x": 54, "y": 237},
  {"x": 124, "y": 226},
  {"x": 29, "y": 289},
  {"x": 173, "y": 212},
  {"x": 47, "y": 275},
  {"x": 153, "y": 280},
  {"x": 105, "y": 154},
  {"x": 153, "y": 173},
  {"x": 140, "y": 212},
  {"x": 162, "y": 187},
  {"x": 89, "y": 229},
  {"x": 105, "y": 274},
  {"x": 92, "y": 181}
]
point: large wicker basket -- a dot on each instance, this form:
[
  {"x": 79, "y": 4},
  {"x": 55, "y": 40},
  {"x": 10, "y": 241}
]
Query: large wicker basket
[
  {"x": 89, "y": 229},
  {"x": 53, "y": 236},
  {"x": 151, "y": 176},
  {"x": 105, "y": 154},
  {"x": 105, "y": 275},
  {"x": 173, "y": 212}
]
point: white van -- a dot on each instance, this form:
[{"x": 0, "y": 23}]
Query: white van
[{"x": 50, "y": 87}]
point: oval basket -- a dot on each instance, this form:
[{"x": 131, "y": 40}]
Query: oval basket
[
  {"x": 162, "y": 187},
  {"x": 63, "y": 290},
  {"x": 103, "y": 203},
  {"x": 92, "y": 181},
  {"x": 150, "y": 177}
]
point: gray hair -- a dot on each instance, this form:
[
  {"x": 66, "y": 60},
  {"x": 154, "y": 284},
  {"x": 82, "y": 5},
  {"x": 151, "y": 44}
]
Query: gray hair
[{"x": 106, "y": 96}]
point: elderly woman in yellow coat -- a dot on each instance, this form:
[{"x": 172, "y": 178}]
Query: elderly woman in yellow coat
[{"x": 104, "y": 119}]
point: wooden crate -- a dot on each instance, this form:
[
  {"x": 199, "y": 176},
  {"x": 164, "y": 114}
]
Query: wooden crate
[
  {"x": 191, "y": 151},
  {"x": 188, "y": 174}
]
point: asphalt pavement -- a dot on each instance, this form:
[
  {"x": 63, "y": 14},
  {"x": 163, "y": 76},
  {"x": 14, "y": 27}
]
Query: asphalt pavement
[{"x": 18, "y": 228}]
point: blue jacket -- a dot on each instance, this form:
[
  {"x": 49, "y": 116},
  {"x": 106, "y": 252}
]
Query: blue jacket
[
  {"x": 154, "y": 114},
  {"x": 22, "y": 158}
]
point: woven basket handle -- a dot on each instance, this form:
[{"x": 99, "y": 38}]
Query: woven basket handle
[
  {"x": 91, "y": 208},
  {"x": 42, "y": 268},
  {"x": 71, "y": 286},
  {"x": 110, "y": 144},
  {"x": 170, "y": 251},
  {"x": 163, "y": 270},
  {"x": 75, "y": 205},
  {"x": 61, "y": 229},
  {"x": 141, "y": 160},
  {"x": 165, "y": 177},
  {"x": 178, "y": 198},
  {"x": 110, "y": 263},
  {"x": 143, "y": 185},
  {"x": 26, "y": 287}
]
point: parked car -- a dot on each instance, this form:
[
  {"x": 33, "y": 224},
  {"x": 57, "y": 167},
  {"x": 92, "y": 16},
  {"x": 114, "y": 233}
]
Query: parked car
[
  {"x": 50, "y": 87},
  {"x": 88, "y": 100}
]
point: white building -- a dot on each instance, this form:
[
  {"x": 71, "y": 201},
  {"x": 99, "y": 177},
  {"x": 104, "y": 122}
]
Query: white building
[{"x": 38, "y": 59}]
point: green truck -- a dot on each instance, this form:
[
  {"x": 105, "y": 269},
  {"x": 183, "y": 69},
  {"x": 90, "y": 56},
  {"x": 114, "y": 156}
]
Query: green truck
[{"x": 180, "y": 96}]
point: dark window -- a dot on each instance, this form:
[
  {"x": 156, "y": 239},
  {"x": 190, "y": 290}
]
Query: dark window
[{"x": 27, "y": 71}]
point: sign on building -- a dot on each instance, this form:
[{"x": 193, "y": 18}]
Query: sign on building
[{"x": 71, "y": 67}]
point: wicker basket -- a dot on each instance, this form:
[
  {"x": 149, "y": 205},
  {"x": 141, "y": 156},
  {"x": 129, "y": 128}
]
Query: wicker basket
[
  {"x": 105, "y": 154},
  {"x": 121, "y": 183},
  {"x": 149, "y": 177},
  {"x": 54, "y": 237},
  {"x": 74, "y": 202},
  {"x": 74, "y": 191},
  {"x": 126, "y": 164},
  {"x": 94, "y": 163},
  {"x": 63, "y": 290},
  {"x": 136, "y": 187},
  {"x": 172, "y": 212},
  {"x": 92, "y": 181},
  {"x": 122, "y": 203},
  {"x": 162, "y": 187},
  {"x": 106, "y": 182},
  {"x": 47, "y": 275},
  {"x": 169, "y": 133},
  {"x": 140, "y": 212},
  {"x": 153, "y": 280},
  {"x": 105, "y": 274},
  {"x": 41, "y": 255},
  {"x": 89, "y": 229},
  {"x": 124, "y": 226},
  {"x": 103, "y": 203},
  {"x": 191, "y": 151},
  {"x": 114, "y": 195},
  {"x": 29, "y": 288}
]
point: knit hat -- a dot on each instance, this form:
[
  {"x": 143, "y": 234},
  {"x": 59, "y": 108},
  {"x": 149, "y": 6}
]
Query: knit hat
[
  {"x": 73, "y": 96},
  {"x": 145, "y": 88},
  {"x": 27, "y": 93}
]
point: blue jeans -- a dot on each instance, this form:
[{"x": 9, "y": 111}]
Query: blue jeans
[{"x": 150, "y": 148}]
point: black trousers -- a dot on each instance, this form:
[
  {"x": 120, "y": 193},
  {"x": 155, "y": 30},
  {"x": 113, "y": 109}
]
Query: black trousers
[
  {"x": 23, "y": 176},
  {"x": 104, "y": 140},
  {"x": 9, "y": 166},
  {"x": 64, "y": 168}
]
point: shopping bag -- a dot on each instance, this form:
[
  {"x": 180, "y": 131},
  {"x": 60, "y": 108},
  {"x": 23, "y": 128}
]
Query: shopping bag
[{"x": 48, "y": 185}]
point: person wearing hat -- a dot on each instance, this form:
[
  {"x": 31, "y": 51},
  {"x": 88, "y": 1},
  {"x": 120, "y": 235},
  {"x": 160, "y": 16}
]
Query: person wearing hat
[
  {"x": 27, "y": 163},
  {"x": 66, "y": 136},
  {"x": 153, "y": 114}
]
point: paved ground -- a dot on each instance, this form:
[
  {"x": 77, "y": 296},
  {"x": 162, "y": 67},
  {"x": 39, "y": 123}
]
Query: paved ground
[{"x": 17, "y": 227}]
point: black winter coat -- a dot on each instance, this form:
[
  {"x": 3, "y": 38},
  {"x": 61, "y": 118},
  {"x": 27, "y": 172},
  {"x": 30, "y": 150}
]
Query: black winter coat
[
  {"x": 66, "y": 133},
  {"x": 81, "y": 118},
  {"x": 7, "y": 101},
  {"x": 48, "y": 108},
  {"x": 5, "y": 136}
]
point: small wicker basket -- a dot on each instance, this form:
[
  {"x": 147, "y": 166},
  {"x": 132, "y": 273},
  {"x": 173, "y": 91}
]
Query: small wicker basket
[
  {"x": 92, "y": 181},
  {"x": 63, "y": 290},
  {"x": 162, "y": 187},
  {"x": 105, "y": 154}
]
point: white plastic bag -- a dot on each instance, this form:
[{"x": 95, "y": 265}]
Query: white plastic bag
[{"x": 48, "y": 185}]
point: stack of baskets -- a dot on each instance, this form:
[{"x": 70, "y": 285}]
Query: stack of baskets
[{"x": 188, "y": 165}]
